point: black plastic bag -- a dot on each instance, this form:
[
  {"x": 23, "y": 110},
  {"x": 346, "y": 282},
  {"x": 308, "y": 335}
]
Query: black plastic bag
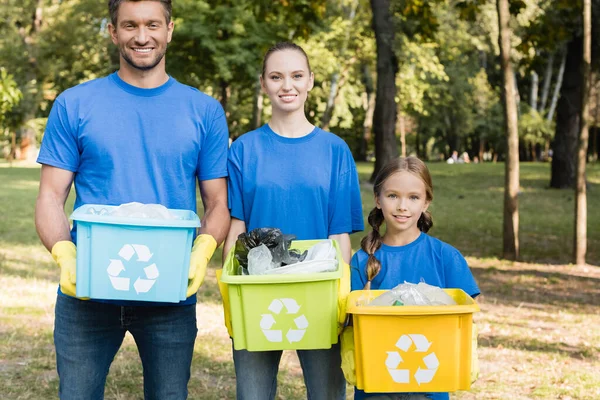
[{"x": 274, "y": 239}]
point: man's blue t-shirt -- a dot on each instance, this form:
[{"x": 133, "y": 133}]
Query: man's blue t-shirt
[
  {"x": 126, "y": 143},
  {"x": 305, "y": 186},
  {"x": 426, "y": 259}
]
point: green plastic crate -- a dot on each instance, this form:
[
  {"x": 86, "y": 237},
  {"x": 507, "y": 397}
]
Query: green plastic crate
[{"x": 283, "y": 312}]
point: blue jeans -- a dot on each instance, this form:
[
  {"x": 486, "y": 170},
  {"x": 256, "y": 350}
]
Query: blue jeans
[
  {"x": 256, "y": 374},
  {"x": 88, "y": 334}
]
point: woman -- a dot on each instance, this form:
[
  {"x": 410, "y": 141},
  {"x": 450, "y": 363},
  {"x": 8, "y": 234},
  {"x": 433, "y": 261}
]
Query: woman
[{"x": 291, "y": 175}]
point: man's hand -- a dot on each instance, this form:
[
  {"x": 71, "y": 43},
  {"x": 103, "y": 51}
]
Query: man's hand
[
  {"x": 202, "y": 251},
  {"x": 65, "y": 255}
]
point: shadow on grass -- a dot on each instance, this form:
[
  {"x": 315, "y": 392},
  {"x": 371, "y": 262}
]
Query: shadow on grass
[
  {"x": 530, "y": 344},
  {"x": 44, "y": 271},
  {"x": 516, "y": 286}
]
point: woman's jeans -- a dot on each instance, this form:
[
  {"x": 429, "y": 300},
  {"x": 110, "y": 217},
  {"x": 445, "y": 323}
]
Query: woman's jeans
[
  {"x": 87, "y": 335},
  {"x": 256, "y": 374}
]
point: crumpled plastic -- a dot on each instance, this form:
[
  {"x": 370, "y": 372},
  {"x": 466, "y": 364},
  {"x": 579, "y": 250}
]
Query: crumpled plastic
[
  {"x": 319, "y": 258},
  {"x": 410, "y": 294},
  {"x": 277, "y": 243},
  {"x": 139, "y": 210}
]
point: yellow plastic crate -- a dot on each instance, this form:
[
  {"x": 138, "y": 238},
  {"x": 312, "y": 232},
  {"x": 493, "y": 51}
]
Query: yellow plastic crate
[{"x": 412, "y": 348}]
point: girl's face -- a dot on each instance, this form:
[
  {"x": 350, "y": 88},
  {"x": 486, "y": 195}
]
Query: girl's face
[
  {"x": 402, "y": 200},
  {"x": 287, "y": 80}
]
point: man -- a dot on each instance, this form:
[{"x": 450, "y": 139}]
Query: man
[{"x": 135, "y": 135}]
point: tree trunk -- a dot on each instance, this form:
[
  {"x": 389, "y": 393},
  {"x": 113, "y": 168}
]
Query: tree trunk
[
  {"x": 534, "y": 91},
  {"x": 558, "y": 87},
  {"x": 547, "y": 81},
  {"x": 511, "y": 170},
  {"x": 402, "y": 130},
  {"x": 594, "y": 143},
  {"x": 335, "y": 79},
  {"x": 481, "y": 149},
  {"x": 369, "y": 108},
  {"x": 384, "y": 117},
  {"x": 28, "y": 145},
  {"x": 257, "y": 106},
  {"x": 568, "y": 120},
  {"x": 580, "y": 243},
  {"x": 225, "y": 93}
]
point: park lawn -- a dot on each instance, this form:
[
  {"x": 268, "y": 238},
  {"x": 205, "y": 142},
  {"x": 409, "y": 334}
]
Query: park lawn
[{"x": 538, "y": 321}]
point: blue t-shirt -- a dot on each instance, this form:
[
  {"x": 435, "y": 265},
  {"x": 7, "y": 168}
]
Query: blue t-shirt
[
  {"x": 426, "y": 259},
  {"x": 305, "y": 186},
  {"x": 126, "y": 143}
]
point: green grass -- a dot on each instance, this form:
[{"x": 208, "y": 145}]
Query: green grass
[{"x": 538, "y": 320}]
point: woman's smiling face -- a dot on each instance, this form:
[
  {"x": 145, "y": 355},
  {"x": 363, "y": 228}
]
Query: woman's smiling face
[{"x": 287, "y": 80}]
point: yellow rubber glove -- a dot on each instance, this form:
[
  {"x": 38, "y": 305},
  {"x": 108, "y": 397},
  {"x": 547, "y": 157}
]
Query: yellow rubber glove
[
  {"x": 202, "y": 250},
  {"x": 225, "y": 296},
  {"x": 347, "y": 352},
  {"x": 343, "y": 292},
  {"x": 65, "y": 255}
]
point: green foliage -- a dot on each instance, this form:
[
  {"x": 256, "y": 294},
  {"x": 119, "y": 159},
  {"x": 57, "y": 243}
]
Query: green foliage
[
  {"x": 448, "y": 77},
  {"x": 10, "y": 95},
  {"x": 534, "y": 128}
]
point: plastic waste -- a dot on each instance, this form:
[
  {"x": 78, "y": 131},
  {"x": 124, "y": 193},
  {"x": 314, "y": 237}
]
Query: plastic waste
[
  {"x": 140, "y": 210},
  {"x": 274, "y": 239},
  {"x": 410, "y": 294},
  {"x": 306, "y": 267},
  {"x": 94, "y": 211},
  {"x": 260, "y": 260},
  {"x": 323, "y": 250},
  {"x": 319, "y": 258}
]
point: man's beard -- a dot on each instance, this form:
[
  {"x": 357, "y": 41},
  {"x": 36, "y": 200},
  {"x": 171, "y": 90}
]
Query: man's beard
[{"x": 147, "y": 67}]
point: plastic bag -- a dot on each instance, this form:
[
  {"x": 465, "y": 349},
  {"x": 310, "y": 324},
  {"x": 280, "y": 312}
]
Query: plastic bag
[
  {"x": 321, "y": 257},
  {"x": 306, "y": 267},
  {"x": 276, "y": 242},
  {"x": 260, "y": 260},
  {"x": 410, "y": 294},
  {"x": 140, "y": 210}
]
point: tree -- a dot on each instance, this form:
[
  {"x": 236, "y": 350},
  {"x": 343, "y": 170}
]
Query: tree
[
  {"x": 10, "y": 96},
  {"x": 511, "y": 170},
  {"x": 568, "y": 119},
  {"x": 384, "y": 116},
  {"x": 580, "y": 242}
]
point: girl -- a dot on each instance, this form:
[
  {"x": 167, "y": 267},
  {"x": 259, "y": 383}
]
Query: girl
[
  {"x": 403, "y": 192},
  {"x": 293, "y": 176}
]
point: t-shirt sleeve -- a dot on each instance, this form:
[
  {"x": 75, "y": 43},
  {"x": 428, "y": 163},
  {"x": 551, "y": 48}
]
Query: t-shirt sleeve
[
  {"x": 346, "y": 207},
  {"x": 235, "y": 183},
  {"x": 59, "y": 146},
  {"x": 212, "y": 162},
  {"x": 457, "y": 272},
  {"x": 357, "y": 282}
]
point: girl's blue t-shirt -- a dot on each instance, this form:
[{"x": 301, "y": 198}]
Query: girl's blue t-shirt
[
  {"x": 305, "y": 186},
  {"x": 426, "y": 259}
]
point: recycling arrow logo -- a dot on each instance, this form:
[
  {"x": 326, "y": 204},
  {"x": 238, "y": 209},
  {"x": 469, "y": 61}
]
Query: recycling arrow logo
[
  {"x": 268, "y": 320},
  {"x": 116, "y": 267},
  {"x": 394, "y": 360}
]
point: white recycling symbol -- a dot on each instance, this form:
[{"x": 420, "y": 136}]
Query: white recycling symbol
[
  {"x": 268, "y": 320},
  {"x": 394, "y": 360},
  {"x": 141, "y": 285}
]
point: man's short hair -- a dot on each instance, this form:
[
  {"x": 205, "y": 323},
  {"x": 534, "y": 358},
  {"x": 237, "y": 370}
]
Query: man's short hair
[{"x": 113, "y": 9}]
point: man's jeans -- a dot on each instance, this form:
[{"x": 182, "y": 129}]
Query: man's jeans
[
  {"x": 256, "y": 374},
  {"x": 88, "y": 334}
]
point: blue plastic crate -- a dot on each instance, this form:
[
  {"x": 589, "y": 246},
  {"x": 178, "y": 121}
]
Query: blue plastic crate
[{"x": 123, "y": 258}]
